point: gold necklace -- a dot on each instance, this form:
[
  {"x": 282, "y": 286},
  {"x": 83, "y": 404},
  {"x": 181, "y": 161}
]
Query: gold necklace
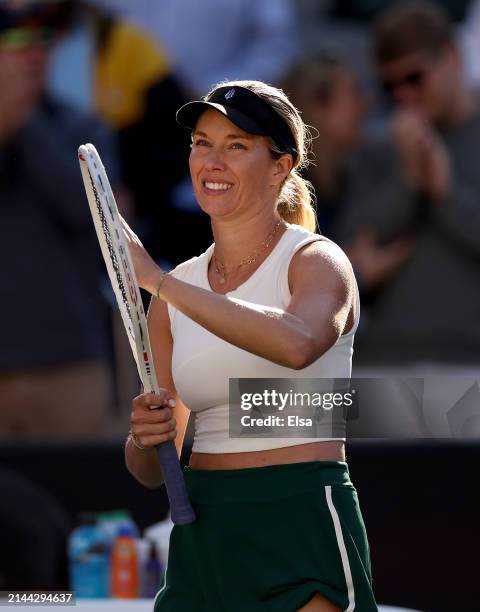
[{"x": 222, "y": 271}]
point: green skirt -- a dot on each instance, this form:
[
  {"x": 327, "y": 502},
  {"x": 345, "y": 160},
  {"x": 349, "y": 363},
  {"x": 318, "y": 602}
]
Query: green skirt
[{"x": 267, "y": 540}]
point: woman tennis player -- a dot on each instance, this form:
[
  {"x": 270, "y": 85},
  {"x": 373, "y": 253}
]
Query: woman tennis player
[{"x": 278, "y": 522}]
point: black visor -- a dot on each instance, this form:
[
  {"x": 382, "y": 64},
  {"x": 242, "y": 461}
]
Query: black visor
[{"x": 246, "y": 110}]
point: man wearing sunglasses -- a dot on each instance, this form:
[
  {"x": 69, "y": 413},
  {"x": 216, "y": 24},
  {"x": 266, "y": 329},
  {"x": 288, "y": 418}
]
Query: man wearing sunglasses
[
  {"x": 421, "y": 71},
  {"x": 424, "y": 317}
]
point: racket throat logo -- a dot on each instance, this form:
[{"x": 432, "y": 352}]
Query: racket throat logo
[{"x": 146, "y": 362}]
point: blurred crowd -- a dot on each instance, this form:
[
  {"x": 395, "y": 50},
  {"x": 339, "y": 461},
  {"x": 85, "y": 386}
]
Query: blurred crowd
[{"x": 389, "y": 91}]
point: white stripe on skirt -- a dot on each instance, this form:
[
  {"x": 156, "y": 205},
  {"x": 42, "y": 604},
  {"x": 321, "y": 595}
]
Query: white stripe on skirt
[{"x": 342, "y": 548}]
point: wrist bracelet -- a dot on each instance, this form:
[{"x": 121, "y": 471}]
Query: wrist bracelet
[
  {"x": 159, "y": 286},
  {"x": 136, "y": 443}
]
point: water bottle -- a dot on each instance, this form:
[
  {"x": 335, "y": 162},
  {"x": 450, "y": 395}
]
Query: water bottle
[{"x": 88, "y": 560}]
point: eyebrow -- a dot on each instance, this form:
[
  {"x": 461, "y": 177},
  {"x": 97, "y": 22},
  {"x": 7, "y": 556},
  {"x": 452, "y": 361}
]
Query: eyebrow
[{"x": 232, "y": 136}]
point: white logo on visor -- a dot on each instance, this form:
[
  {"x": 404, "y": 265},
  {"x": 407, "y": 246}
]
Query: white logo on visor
[{"x": 230, "y": 93}]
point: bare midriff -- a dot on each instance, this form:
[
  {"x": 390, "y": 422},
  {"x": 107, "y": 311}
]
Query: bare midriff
[{"x": 331, "y": 450}]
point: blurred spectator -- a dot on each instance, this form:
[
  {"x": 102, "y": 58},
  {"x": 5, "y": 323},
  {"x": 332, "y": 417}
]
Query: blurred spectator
[
  {"x": 54, "y": 372},
  {"x": 214, "y": 40},
  {"x": 332, "y": 103},
  {"x": 345, "y": 26},
  {"x": 347, "y": 165},
  {"x": 424, "y": 319},
  {"x": 132, "y": 87}
]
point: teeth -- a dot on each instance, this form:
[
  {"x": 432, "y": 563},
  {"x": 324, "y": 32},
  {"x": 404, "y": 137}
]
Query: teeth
[{"x": 218, "y": 186}]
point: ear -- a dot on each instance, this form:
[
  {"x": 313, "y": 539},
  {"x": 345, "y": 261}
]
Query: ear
[{"x": 281, "y": 169}]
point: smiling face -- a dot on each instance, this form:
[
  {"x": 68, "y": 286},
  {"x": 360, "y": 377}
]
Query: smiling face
[{"x": 232, "y": 171}]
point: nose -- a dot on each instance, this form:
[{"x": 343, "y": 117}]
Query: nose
[{"x": 214, "y": 159}]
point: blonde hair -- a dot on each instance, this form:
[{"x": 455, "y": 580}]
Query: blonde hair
[{"x": 295, "y": 202}]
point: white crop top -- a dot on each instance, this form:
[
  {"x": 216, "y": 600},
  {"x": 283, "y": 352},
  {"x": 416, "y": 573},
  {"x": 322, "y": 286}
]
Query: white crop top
[{"x": 202, "y": 363}]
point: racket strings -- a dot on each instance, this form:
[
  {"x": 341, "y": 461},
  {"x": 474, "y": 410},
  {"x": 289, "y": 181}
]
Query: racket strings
[{"x": 111, "y": 251}]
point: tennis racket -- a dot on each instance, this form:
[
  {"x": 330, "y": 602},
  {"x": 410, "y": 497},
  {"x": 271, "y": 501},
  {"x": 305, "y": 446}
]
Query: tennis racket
[{"x": 124, "y": 282}]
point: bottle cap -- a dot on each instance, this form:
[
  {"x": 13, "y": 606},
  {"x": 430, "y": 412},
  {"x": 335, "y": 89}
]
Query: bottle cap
[{"x": 125, "y": 530}]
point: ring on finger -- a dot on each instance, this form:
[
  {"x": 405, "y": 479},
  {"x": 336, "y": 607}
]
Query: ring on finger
[{"x": 136, "y": 442}]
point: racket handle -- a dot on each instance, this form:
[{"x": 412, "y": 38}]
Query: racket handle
[{"x": 180, "y": 507}]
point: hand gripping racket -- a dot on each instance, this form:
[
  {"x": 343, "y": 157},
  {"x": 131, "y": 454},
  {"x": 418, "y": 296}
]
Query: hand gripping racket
[{"x": 124, "y": 282}]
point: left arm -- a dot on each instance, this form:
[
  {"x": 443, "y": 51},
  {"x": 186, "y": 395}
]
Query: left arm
[
  {"x": 321, "y": 283},
  {"x": 295, "y": 337}
]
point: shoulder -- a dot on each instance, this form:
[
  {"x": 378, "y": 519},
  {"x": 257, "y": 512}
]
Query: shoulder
[
  {"x": 309, "y": 248},
  {"x": 321, "y": 263},
  {"x": 323, "y": 252}
]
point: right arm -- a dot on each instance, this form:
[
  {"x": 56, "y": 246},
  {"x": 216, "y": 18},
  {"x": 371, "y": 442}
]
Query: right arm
[{"x": 154, "y": 426}]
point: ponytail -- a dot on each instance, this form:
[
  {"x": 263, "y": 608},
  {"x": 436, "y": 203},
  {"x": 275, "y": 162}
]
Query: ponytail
[{"x": 295, "y": 202}]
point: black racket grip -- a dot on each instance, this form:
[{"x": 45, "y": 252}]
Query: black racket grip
[{"x": 180, "y": 507}]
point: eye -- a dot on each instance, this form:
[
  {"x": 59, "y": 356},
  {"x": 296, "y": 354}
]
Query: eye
[
  {"x": 237, "y": 145},
  {"x": 200, "y": 142}
]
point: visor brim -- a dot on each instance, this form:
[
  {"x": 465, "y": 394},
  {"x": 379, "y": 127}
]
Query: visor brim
[{"x": 189, "y": 114}]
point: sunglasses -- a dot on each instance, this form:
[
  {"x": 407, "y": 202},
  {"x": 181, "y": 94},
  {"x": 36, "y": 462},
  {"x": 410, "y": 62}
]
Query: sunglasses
[
  {"x": 412, "y": 79},
  {"x": 18, "y": 38}
]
